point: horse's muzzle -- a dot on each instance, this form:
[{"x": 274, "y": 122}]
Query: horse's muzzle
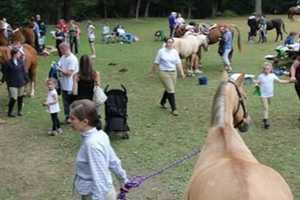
[{"x": 244, "y": 127}]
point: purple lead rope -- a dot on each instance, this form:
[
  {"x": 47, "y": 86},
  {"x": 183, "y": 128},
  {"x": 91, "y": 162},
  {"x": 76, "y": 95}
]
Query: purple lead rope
[{"x": 136, "y": 181}]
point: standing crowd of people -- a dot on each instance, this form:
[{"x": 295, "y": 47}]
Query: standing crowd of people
[{"x": 76, "y": 79}]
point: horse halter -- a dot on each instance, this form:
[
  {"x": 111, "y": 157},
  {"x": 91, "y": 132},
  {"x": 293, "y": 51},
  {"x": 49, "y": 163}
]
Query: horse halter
[{"x": 241, "y": 103}]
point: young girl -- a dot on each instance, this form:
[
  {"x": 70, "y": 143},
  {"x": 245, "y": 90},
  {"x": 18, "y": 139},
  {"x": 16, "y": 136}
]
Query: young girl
[
  {"x": 266, "y": 84},
  {"x": 53, "y": 107}
]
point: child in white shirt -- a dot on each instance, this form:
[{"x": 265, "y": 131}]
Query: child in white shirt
[
  {"x": 53, "y": 106},
  {"x": 265, "y": 80}
]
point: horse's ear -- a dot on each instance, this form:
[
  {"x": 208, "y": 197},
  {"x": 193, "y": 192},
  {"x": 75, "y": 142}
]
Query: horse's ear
[
  {"x": 240, "y": 80},
  {"x": 225, "y": 76}
]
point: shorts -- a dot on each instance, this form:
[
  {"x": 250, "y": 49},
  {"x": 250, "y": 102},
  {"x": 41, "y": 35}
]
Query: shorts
[{"x": 91, "y": 40}]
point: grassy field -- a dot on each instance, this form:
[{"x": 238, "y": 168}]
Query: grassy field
[{"x": 34, "y": 166}]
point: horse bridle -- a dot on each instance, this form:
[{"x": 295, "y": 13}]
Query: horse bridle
[{"x": 241, "y": 103}]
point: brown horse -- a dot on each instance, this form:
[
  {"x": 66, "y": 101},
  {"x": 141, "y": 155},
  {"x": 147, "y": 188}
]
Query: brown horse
[
  {"x": 22, "y": 35},
  {"x": 215, "y": 33},
  {"x": 293, "y": 11},
  {"x": 3, "y": 39},
  {"x": 30, "y": 64},
  {"x": 226, "y": 168}
]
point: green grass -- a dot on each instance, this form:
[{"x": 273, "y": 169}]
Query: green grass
[{"x": 34, "y": 166}]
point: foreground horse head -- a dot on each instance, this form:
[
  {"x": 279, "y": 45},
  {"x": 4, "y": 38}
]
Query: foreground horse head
[{"x": 226, "y": 168}]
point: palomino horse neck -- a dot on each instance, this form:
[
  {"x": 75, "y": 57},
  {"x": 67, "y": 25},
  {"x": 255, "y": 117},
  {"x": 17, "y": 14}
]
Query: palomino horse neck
[
  {"x": 226, "y": 169},
  {"x": 223, "y": 139}
]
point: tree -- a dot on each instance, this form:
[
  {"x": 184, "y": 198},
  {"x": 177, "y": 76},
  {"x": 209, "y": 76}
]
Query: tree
[
  {"x": 215, "y": 6},
  {"x": 137, "y": 9},
  {"x": 258, "y": 7}
]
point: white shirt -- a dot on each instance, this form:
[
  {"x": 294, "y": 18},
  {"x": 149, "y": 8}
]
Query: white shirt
[
  {"x": 68, "y": 63},
  {"x": 179, "y": 21},
  {"x": 121, "y": 31},
  {"x": 91, "y": 31},
  {"x": 105, "y": 30},
  {"x": 267, "y": 84},
  {"x": 51, "y": 98},
  {"x": 167, "y": 59},
  {"x": 94, "y": 163}
]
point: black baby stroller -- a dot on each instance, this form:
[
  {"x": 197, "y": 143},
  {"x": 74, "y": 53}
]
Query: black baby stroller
[{"x": 116, "y": 111}]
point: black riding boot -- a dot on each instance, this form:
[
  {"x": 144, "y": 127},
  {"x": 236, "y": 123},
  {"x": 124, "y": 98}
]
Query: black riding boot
[
  {"x": 172, "y": 103},
  {"x": 164, "y": 99},
  {"x": 20, "y": 105},
  {"x": 266, "y": 123},
  {"x": 11, "y": 104}
]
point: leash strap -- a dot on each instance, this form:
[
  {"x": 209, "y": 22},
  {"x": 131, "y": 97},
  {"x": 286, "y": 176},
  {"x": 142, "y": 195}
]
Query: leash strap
[{"x": 136, "y": 181}]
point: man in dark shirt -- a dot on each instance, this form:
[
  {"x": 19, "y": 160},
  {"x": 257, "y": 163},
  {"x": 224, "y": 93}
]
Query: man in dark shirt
[{"x": 16, "y": 78}]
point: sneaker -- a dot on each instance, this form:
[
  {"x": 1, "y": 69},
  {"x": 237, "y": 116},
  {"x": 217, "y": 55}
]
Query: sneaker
[
  {"x": 266, "y": 124},
  {"x": 20, "y": 114},
  {"x": 189, "y": 72},
  {"x": 59, "y": 131},
  {"x": 175, "y": 113},
  {"x": 52, "y": 133}
]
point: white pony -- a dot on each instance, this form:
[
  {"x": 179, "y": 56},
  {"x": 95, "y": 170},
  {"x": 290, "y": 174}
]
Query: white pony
[{"x": 189, "y": 47}]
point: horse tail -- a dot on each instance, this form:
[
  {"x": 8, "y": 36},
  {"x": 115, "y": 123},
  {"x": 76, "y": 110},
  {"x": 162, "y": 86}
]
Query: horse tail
[
  {"x": 239, "y": 37},
  {"x": 283, "y": 27}
]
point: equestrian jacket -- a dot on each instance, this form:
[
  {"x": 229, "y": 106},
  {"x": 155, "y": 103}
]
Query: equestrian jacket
[{"x": 15, "y": 74}]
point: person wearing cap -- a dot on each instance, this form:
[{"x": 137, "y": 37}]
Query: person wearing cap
[
  {"x": 15, "y": 76},
  {"x": 172, "y": 23}
]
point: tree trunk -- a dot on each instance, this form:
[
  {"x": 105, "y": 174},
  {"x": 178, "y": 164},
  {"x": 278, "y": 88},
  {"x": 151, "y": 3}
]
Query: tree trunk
[
  {"x": 66, "y": 9},
  {"x": 147, "y": 8},
  {"x": 189, "y": 15},
  {"x": 137, "y": 10},
  {"x": 131, "y": 10},
  {"x": 105, "y": 11},
  {"x": 214, "y": 8},
  {"x": 258, "y": 7}
]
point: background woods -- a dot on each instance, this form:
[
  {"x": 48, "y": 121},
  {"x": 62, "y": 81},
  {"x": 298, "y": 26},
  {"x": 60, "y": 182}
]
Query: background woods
[{"x": 18, "y": 10}]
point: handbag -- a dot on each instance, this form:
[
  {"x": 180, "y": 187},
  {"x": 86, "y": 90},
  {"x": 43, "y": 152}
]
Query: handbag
[{"x": 99, "y": 96}]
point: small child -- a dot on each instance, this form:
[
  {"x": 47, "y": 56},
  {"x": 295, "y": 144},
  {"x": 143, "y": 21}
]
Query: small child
[
  {"x": 265, "y": 80},
  {"x": 53, "y": 107}
]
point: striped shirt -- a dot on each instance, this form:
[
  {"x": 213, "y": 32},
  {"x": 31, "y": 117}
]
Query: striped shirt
[{"x": 94, "y": 161}]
